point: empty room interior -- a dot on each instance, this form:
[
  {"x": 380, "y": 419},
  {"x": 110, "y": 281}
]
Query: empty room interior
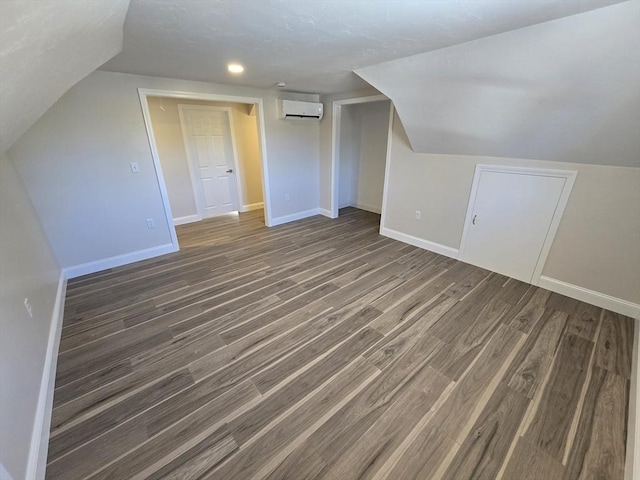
[{"x": 319, "y": 239}]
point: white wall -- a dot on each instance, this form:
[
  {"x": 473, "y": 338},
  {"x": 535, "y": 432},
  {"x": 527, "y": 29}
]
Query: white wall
[
  {"x": 170, "y": 143},
  {"x": 28, "y": 269},
  {"x": 75, "y": 165},
  {"x": 597, "y": 245},
  {"x": 564, "y": 90},
  {"x": 363, "y": 148}
]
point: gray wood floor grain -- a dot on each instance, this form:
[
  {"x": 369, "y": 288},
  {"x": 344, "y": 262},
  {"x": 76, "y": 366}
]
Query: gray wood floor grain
[{"x": 321, "y": 350}]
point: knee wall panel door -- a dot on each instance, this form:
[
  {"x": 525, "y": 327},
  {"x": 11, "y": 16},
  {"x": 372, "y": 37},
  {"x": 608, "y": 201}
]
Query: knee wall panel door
[{"x": 512, "y": 217}]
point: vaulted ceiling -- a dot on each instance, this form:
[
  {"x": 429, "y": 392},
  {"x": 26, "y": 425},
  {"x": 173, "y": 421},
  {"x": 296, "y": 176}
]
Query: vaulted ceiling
[
  {"x": 45, "y": 48},
  {"x": 312, "y": 45}
]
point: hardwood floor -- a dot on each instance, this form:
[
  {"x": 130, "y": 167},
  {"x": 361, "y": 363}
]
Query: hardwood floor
[{"x": 321, "y": 350}]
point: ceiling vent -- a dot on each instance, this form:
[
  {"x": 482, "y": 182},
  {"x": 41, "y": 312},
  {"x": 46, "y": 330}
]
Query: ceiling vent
[{"x": 292, "y": 110}]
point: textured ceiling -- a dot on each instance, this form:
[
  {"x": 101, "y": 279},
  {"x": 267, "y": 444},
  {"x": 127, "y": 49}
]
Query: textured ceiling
[
  {"x": 312, "y": 45},
  {"x": 565, "y": 90},
  {"x": 47, "y": 46}
]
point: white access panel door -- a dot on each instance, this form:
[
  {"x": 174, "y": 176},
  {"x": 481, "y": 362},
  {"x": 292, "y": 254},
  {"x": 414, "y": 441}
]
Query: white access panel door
[
  {"x": 210, "y": 150},
  {"x": 509, "y": 220}
]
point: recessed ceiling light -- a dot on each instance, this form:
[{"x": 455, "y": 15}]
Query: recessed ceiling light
[
  {"x": 281, "y": 84},
  {"x": 235, "y": 68}
]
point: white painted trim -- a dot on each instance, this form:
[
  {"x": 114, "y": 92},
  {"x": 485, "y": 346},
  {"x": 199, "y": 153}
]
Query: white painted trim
[
  {"x": 295, "y": 216},
  {"x": 41, "y": 426},
  {"x": 164, "y": 195},
  {"x": 419, "y": 242},
  {"x": 568, "y": 175},
  {"x": 387, "y": 167},
  {"x": 4, "y": 473},
  {"x": 632, "y": 467},
  {"x": 326, "y": 213},
  {"x": 118, "y": 260},
  {"x": 187, "y": 219},
  {"x": 262, "y": 142},
  {"x": 603, "y": 300},
  {"x": 185, "y": 127},
  {"x": 252, "y": 206},
  {"x": 336, "y": 121},
  {"x": 367, "y": 208}
]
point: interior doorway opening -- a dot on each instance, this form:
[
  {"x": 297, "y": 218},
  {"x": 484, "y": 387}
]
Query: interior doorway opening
[
  {"x": 248, "y": 186},
  {"x": 360, "y": 142}
]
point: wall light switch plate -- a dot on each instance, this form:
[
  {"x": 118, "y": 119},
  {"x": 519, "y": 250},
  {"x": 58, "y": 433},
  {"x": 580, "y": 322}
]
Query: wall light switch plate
[{"x": 135, "y": 168}]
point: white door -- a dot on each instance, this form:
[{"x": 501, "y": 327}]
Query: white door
[
  {"x": 209, "y": 146},
  {"x": 510, "y": 220}
]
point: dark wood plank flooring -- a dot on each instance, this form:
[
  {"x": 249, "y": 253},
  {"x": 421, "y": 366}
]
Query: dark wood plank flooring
[{"x": 322, "y": 350}]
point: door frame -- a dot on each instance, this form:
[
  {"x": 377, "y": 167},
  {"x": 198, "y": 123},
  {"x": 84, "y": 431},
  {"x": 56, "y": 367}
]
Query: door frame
[
  {"x": 236, "y": 168},
  {"x": 258, "y": 103},
  {"x": 568, "y": 175},
  {"x": 335, "y": 144}
]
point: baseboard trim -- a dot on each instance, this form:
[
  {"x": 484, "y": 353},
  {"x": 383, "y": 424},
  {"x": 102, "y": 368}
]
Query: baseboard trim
[
  {"x": 632, "y": 467},
  {"x": 294, "y": 216},
  {"x": 325, "y": 213},
  {"x": 187, "y": 219},
  {"x": 41, "y": 425},
  {"x": 603, "y": 300},
  {"x": 419, "y": 242},
  {"x": 252, "y": 206},
  {"x": 367, "y": 208},
  {"x": 118, "y": 260}
]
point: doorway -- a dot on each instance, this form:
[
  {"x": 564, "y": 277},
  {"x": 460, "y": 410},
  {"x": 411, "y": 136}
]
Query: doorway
[
  {"x": 237, "y": 141},
  {"x": 359, "y": 154}
]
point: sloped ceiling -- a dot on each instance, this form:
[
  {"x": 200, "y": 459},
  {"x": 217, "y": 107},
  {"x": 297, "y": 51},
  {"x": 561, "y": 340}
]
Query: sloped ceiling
[
  {"x": 47, "y": 46},
  {"x": 565, "y": 90},
  {"x": 312, "y": 45}
]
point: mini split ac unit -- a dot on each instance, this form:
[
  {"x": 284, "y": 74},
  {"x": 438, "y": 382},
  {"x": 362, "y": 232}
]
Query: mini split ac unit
[{"x": 292, "y": 109}]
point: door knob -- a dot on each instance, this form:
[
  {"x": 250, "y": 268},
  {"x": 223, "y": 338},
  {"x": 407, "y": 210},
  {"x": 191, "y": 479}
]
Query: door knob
[
  {"x": 230, "y": 170},
  {"x": 474, "y": 219}
]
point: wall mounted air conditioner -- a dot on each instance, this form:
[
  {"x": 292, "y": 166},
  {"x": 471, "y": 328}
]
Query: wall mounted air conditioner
[{"x": 293, "y": 109}]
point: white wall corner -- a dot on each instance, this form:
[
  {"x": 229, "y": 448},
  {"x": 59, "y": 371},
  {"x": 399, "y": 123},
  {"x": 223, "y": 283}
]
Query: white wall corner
[
  {"x": 603, "y": 300},
  {"x": 187, "y": 219},
  {"x": 252, "y": 206},
  {"x": 118, "y": 260},
  {"x": 42, "y": 423},
  {"x": 326, "y": 213},
  {"x": 632, "y": 466},
  {"x": 294, "y": 216},
  {"x": 419, "y": 242}
]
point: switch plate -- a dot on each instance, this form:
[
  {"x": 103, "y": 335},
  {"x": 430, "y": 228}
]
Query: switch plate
[
  {"x": 151, "y": 223},
  {"x": 418, "y": 214},
  {"x": 135, "y": 168},
  {"x": 286, "y": 197}
]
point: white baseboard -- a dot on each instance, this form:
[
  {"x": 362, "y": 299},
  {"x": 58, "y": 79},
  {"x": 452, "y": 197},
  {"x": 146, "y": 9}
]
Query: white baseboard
[
  {"x": 614, "y": 304},
  {"x": 368, "y": 208},
  {"x": 42, "y": 423},
  {"x": 252, "y": 206},
  {"x": 632, "y": 467},
  {"x": 419, "y": 242},
  {"x": 118, "y": 260},
  {"x": 294, "y": 216},
  {"x": 187, "y": 219},
  {"x": 325, "y": 213}
]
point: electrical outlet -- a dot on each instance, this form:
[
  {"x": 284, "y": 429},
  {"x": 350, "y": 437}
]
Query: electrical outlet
[
  {"x": 27, "y": 305},
  {"x": 418, "y": 214},
  {"x": 286, "y": 197},
  {"x": 151, "y": 223},
  {"x": 135, "y": 168}
]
